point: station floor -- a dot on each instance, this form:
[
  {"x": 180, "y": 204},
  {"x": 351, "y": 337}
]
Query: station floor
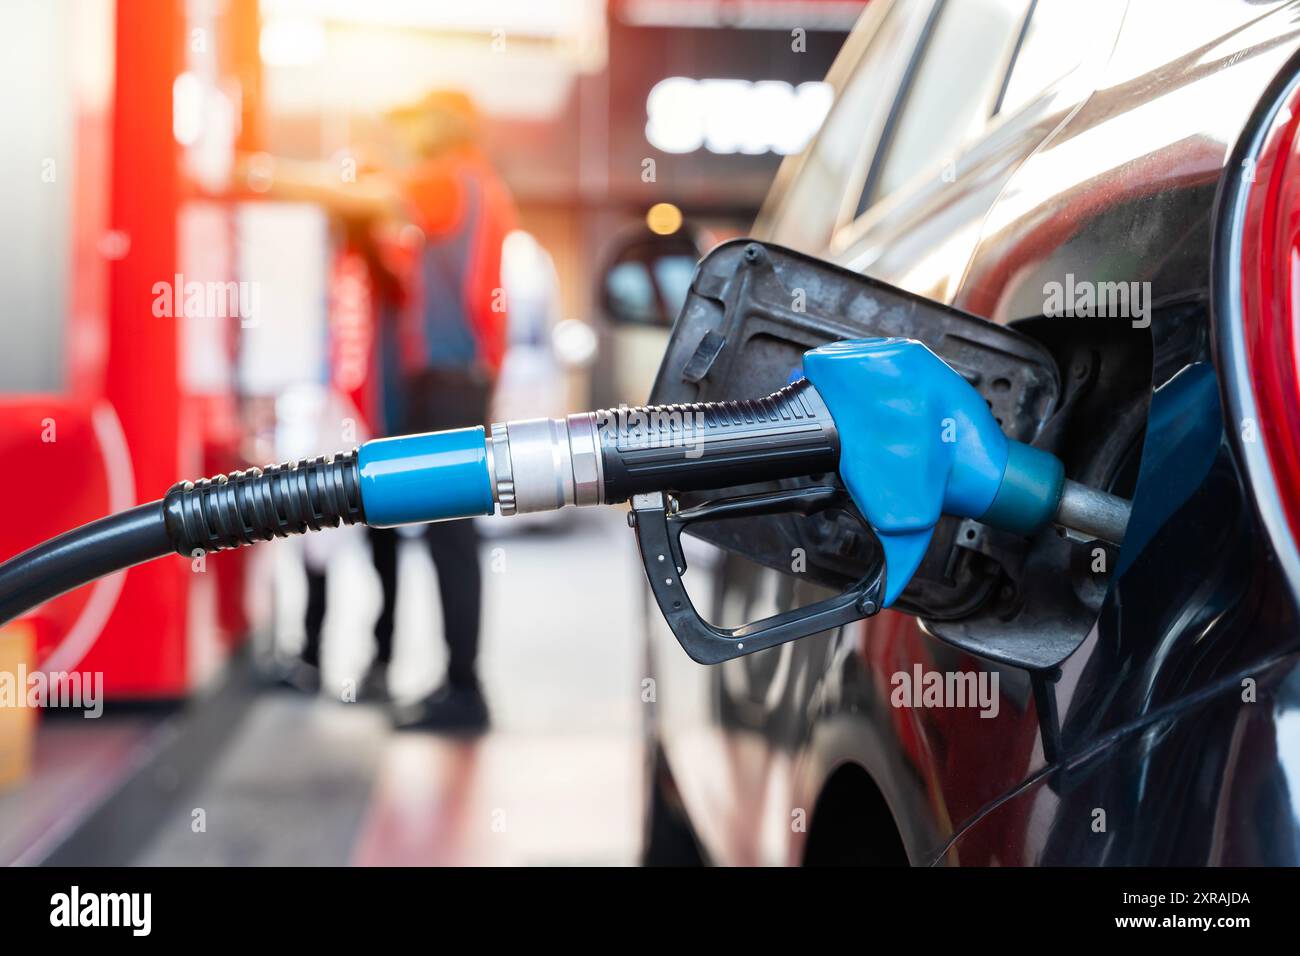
[{"x": 258, "y": 775}]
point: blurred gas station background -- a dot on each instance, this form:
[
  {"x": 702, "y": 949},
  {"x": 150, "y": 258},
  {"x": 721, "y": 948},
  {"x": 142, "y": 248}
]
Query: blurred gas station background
[{"x": 135, "y": 135}]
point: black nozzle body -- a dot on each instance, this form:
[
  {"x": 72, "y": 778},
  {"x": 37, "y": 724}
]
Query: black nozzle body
[{"x": 707, "y": 445}]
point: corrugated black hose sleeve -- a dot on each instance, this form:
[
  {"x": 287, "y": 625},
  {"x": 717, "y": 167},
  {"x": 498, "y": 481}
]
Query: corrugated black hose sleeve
[
  {"x": 213, "y": 514},
  {"x": 245, "y": 507}
]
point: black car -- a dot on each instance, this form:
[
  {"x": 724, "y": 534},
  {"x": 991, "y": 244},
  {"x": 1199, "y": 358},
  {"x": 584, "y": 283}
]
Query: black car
[{"x": 1116, "y": 183}]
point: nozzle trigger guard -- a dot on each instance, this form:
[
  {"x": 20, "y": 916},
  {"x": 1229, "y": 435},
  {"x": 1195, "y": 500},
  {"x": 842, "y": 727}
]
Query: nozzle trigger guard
[{"x": 659, "y": 532}]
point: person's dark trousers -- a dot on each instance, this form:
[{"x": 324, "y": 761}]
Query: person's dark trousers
[
  {"x": 383, "y": 551},
  {"x": 435, "y": 401},
  {"x": 315, "y": 616},
  {"x": 454, "y": 547}
]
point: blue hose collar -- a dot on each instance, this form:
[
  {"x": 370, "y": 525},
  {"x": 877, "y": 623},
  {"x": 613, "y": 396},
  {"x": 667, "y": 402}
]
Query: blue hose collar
[{"x": 430, "y": 477}]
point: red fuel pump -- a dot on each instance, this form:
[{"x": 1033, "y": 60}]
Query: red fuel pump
[{"x": 119, "y": 414}]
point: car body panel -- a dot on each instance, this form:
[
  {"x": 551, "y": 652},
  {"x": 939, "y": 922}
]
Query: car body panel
[
  {"x": 1114, "y": 182},
  {"x": 1201, "y": 784}
]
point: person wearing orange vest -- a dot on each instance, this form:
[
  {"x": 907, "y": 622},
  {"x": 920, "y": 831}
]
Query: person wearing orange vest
[{"x": 440, "y": 352}]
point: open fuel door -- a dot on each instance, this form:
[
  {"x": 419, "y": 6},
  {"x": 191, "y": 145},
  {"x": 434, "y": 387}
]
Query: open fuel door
[{"x": 752, "y": 311}]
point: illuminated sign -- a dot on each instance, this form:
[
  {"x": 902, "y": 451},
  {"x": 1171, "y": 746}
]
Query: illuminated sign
[{"x": 734, "y": 116}]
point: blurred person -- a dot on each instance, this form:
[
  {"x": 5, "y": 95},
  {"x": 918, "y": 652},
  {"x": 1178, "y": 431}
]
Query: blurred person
[
  {"x": 441, "y": 355},
  {"x": 309, "y": 418},
  {"x": 363, "y": 286}
]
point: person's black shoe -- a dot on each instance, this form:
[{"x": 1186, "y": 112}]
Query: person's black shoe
[
  {"x": 373, "y": 688},
  {"x": 301, "y": 676},
  {"x": 448, "y": 710}
]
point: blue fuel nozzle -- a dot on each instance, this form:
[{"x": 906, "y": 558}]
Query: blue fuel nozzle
[{"x": 917, "y": 442}]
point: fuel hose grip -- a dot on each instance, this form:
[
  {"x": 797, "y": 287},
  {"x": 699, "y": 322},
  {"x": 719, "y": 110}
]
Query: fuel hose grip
[
  {"x": 258, "y": 504},
  {"x": 611, "y": 455}
]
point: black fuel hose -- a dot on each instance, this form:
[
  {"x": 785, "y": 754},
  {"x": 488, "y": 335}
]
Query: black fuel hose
[
  {"x": 212, "y": 514},
  {"x": 81, "y": 555}
]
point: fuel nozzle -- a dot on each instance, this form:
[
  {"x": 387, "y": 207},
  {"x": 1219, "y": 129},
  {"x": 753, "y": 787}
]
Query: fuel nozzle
[{"x": 910, "y": 439}]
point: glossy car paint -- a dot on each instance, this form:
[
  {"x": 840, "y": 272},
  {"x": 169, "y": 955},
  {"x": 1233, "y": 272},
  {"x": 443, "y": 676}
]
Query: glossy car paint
[{"x": 1174, "y": 727}]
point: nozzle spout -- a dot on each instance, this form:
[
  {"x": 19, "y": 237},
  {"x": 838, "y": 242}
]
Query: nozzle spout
[{"x": 1095, "y": 513}]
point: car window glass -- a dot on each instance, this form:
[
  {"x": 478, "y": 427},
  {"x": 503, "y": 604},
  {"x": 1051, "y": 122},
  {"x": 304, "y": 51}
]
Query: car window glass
[
  {"x": 810, "y": 209},
  {"x": 952, "y": 92},
  {"x": 673, "y": 274},
  {"x": 631, "y": 292},
  {"x": 1059, "y": 36}
]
